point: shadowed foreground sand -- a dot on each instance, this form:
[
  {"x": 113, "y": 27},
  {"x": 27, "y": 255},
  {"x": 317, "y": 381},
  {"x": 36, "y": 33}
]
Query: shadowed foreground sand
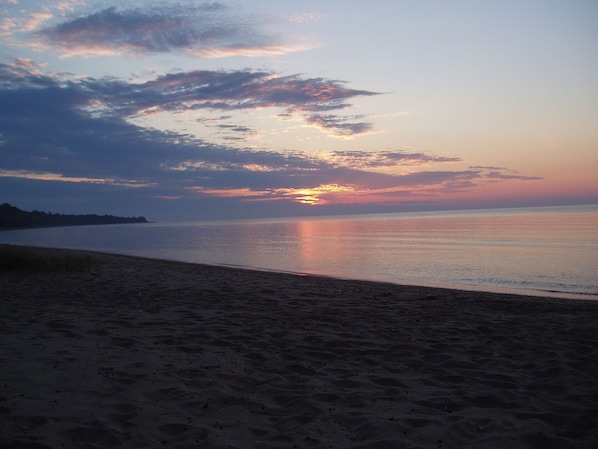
[{"x": 139, "y": 353}]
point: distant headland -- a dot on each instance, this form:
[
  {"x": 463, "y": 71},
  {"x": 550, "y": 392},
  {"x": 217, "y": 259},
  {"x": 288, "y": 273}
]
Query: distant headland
[{"x": 12, "y": 217}]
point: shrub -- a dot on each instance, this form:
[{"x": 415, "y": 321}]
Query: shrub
[{"x": 14, "y": 258}]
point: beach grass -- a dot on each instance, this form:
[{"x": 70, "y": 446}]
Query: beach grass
[{"x": 13, "y": 258}]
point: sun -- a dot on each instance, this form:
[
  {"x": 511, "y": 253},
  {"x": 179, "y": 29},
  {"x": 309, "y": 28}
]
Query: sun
[
  {"x": 311, "y": 200},
  {"x": 315, "y": 196}
]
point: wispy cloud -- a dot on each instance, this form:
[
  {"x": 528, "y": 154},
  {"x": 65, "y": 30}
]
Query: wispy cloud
[
  {"x": 245, "y": 89},
  {"x": 26, "y": 19},
  {"x": 212, "y": 90},
  {"x": 338, "y": 125},
  {"x": 207, "y": 30},
  {"x": 378, "y": 159},
  {"x": 236, "y": 132},
  {"x": 252, "y": 90},
  {"x": 47, "y": 176},
  {"x": 36, "y": 20}
]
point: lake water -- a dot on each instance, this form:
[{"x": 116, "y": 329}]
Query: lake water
[{"x": 543, "y": 251}]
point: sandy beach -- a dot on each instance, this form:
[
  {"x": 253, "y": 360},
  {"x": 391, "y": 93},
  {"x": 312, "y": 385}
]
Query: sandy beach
[{"x": 140, "y": 353}]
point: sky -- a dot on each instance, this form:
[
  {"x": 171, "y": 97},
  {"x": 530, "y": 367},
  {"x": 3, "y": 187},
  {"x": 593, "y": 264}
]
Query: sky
[{"x": 190, "y": 110}]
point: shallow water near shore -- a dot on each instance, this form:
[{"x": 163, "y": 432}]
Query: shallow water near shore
[{"x": 547, "y": 251}]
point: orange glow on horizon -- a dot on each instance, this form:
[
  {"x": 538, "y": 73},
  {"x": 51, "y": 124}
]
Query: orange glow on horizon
[
  {"x": 479, "y": 192},
  {"x": 311, "y": 196}
]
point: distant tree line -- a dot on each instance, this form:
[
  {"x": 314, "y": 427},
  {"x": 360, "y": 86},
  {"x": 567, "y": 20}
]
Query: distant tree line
[{"x": 12, "y": 217}]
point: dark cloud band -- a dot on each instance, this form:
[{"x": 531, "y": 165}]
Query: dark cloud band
[{"x": 67, "y": 131}]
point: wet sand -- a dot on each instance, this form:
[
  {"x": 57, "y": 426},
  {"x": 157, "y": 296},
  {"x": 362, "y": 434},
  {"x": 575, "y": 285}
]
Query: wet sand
[{"x": 140, "y": 353}]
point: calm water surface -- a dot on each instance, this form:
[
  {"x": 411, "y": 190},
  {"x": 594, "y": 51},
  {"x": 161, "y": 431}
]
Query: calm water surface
[{"x": 547, "y": 251}]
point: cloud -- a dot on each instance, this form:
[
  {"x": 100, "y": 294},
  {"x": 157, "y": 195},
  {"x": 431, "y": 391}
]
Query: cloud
[
  {"x": 378, "y": 159},
  {"x": 202, "y": 89},
  {"x": 356, "y": 187},
  {"x": 35, "y": 20},
  {"x": 245, "y": 89},
  {"x": 46, "y": 176},
  {"x": 24, "y": 71},
  {"x": 237, "y": 90},
  {"x": 63, "y": 131},
  {"x": 236, "y": 132},
  {"x": 207, "y": 30},
  {"x": 47, "y": 125},
  {"x": 337, "y": 125},
  {"x": 229, "y": 131},
  {"x": 501, "y": 173}
]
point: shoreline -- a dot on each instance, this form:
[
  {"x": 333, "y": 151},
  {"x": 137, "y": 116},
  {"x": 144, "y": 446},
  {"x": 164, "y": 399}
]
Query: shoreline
[
  {"x": 140, "y": 353},
  {"x": 528, "y": 293}
]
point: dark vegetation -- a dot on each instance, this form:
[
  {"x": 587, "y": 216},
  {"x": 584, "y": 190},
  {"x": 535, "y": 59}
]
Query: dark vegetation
[
  {"x": 14, "y": 258},
  {"x": 12, "y": 217}
]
